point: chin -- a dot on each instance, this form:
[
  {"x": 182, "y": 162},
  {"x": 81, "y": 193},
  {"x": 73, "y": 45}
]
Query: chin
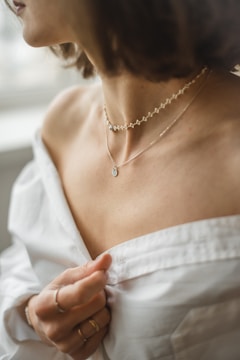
[
  {"x": 35, "y": 39},
  {"x": 32, "y": 38}
]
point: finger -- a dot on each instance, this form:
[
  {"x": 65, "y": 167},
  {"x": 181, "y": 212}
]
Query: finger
[
  {"x": 89, "y": 347},
  {"x": 77, "y": 294},
  {"x": 94, "y": 324},
  {"x": 71, "y": 343},
  {"x": 79, "y": 314},
  {"x": 81, "y": 292},
  {"x": 64, "y": 323},
  {"x": 76, "y": 342},
  {"x": 72, "y": 275},
  {"x": 65, "y": 339},
  {"x": 74, "y": 294},
  {"x": 103, "y": 262},
  {"x": 72, "y": 297}
]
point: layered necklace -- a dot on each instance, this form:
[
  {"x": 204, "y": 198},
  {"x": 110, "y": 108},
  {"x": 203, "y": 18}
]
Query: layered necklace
[{"x": 163, "y": 105}]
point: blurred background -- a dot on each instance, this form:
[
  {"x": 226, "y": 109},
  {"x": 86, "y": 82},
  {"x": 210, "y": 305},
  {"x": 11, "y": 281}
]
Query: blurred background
[{"x": 29, "y": 80}]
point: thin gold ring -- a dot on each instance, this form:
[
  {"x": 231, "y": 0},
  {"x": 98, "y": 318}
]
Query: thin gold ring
[
  {"x": 94, "y": 324},
  {"x": 58, "y": 306},
  {"x": 81, "y": 335}
]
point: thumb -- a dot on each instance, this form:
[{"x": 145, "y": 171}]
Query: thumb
[{"x": 102, "y": 262}]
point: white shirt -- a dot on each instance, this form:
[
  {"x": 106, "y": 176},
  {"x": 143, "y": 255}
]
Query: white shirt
[{"x": 174, "y": 294}]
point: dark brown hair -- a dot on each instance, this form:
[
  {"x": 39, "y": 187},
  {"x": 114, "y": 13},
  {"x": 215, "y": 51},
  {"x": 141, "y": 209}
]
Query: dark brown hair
[{"x": 159, "y": 39}]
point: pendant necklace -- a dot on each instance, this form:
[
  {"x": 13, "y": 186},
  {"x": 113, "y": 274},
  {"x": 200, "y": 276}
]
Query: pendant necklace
[{"x": 115, "y": 166}]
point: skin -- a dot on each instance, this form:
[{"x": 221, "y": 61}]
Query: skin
[
  {"x": 82, "y": 297},
  {"x": 192, "y": 173},
  {"x": 39, "y": 29}
]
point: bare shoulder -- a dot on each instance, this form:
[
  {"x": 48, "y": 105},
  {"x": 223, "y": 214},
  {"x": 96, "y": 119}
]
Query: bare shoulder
[{"x": 67, "y": 112}]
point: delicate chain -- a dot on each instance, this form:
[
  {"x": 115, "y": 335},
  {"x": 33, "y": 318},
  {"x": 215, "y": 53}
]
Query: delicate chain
[
  {"x": 162, "y": 106},
  {"x": 115, "y": 168}
]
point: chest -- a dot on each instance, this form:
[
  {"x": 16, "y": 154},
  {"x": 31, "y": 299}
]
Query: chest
[{"x": 149, "y": 194}]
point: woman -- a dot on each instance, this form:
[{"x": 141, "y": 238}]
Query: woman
[{"x": 140, "y": 172}]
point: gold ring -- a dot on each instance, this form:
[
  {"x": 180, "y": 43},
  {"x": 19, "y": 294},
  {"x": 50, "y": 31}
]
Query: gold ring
[
  {"x": 58, "y": 306},
  {"x": 94, "y": 324},
  {"x": 81, "y": 335}
]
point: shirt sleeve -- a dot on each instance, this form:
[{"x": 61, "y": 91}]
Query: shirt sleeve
[
  {"x": 18, "y": 283},
  {"x": 18, "y": 280},
  {"x": 42, "y": 248}
]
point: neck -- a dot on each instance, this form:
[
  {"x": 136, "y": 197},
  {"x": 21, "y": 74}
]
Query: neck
[{"x": 128, "y": 98}]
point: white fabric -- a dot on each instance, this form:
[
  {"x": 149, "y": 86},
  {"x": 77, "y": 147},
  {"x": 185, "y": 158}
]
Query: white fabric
[{"x": 174, "y": 294}]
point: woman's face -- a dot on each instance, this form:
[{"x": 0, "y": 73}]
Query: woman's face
[{"x": 51, "y": 22}]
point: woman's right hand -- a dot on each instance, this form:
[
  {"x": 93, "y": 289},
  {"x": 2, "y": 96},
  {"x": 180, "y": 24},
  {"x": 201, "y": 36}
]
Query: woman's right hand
[{"x": 79, "y": 329}]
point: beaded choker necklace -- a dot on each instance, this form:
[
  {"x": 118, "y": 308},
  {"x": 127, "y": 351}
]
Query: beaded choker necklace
[
  {"x": 115, "y": 166},
  {"x": 156, "y": 110}
]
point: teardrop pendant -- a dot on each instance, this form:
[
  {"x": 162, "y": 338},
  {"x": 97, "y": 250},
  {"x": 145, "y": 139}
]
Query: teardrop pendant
[{"x": 115, "y": 171}]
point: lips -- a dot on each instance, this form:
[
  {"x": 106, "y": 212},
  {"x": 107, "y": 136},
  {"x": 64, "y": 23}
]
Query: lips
[{"x": 19, "y": 6}]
